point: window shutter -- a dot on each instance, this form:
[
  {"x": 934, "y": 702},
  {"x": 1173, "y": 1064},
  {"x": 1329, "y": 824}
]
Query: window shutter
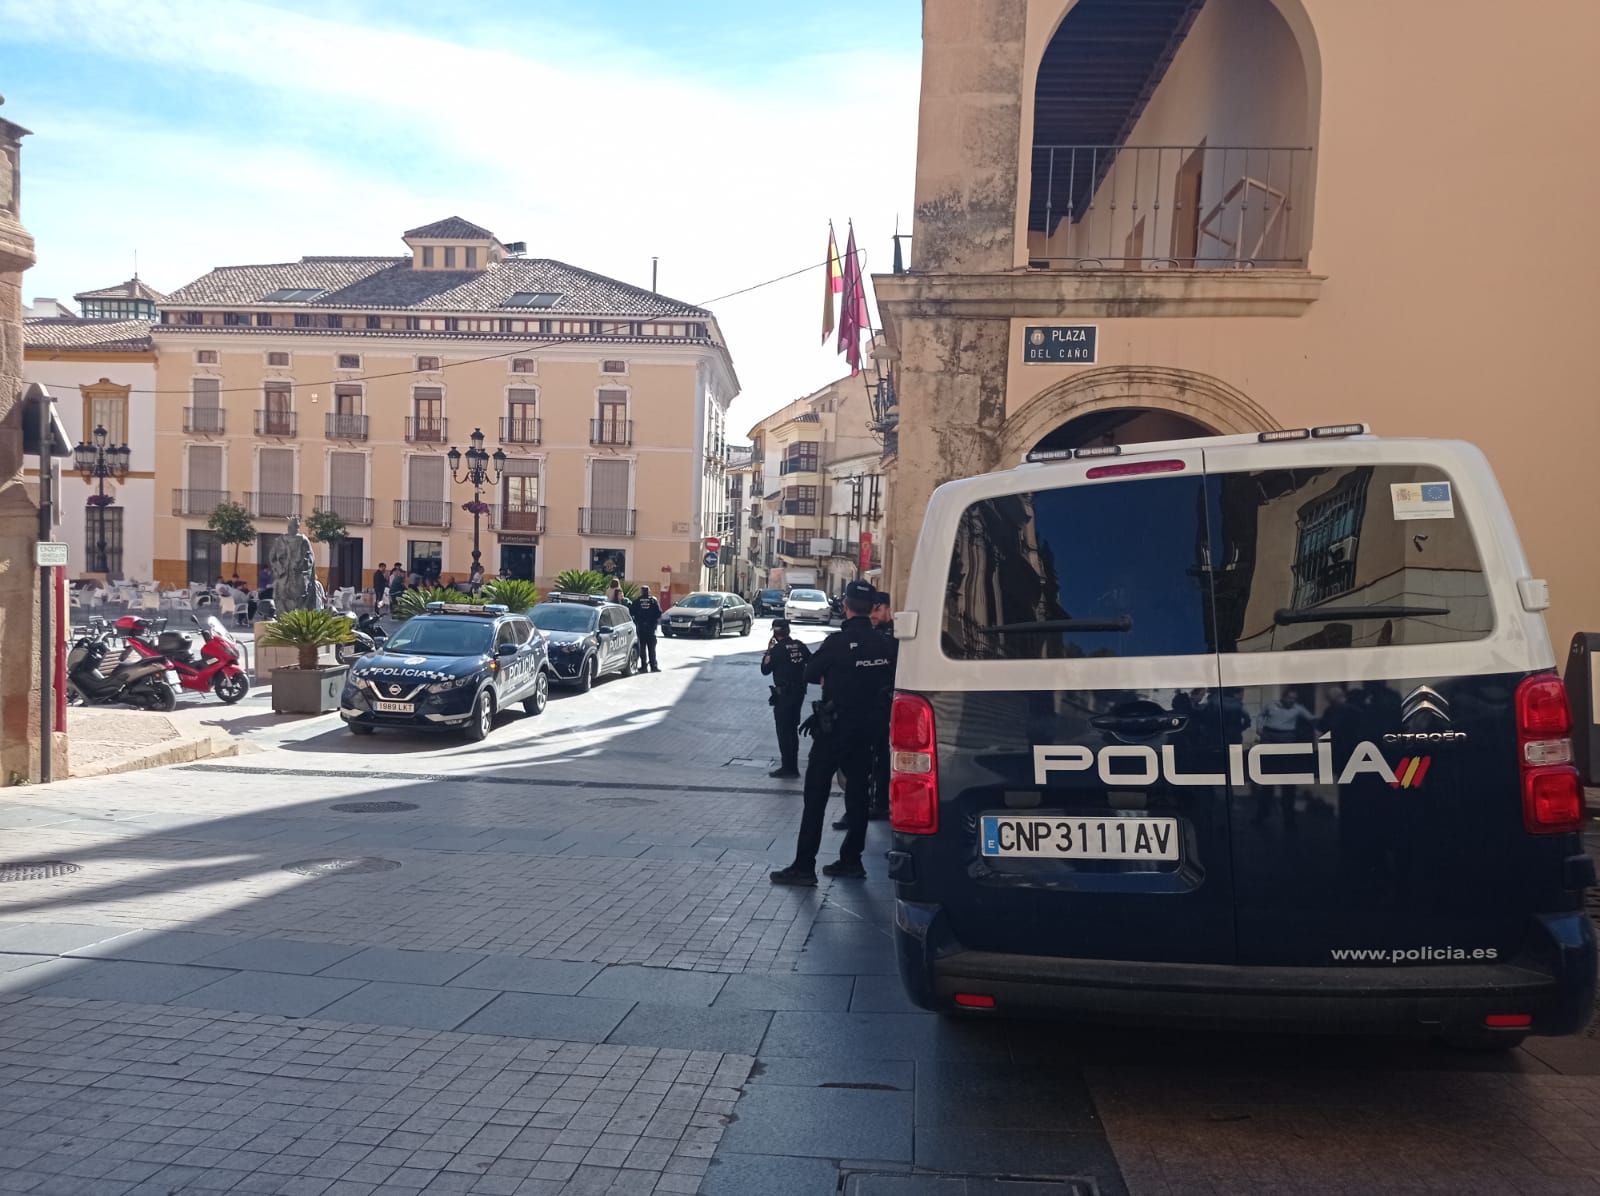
[
  {"x": 426, "y": 478},
  {"x": 207, "y": 393},
  {"x": 608, "y": 485},
  {"x": 347, "y": 475},
  {"x": 205, "y": 467},
  {"x": 276, "y": 467},
  {"x": 521, "y": 467}
]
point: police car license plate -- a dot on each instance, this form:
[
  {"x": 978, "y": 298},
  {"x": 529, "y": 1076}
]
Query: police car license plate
[
  {"x": 1065, "y": 838},
  {"x": 397, "y": 707}
]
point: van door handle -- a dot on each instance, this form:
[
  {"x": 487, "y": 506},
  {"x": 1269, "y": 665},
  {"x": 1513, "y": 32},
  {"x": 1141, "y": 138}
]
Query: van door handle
[{"x": 1139, "y": 724}]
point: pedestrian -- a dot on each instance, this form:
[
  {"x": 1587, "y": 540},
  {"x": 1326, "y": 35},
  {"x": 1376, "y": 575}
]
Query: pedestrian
[
  {"x": 646, "y": 613},
  {"x": 878, "y": 800},
  {"x": 380, "y": 582},
  {"x": 397, "y": 584},
  {"x": 475, "y": 578},
  {"x": 854, "y": 668},
  {"x": 785, "y": 662},
  {"x": 614, "y": 594}
]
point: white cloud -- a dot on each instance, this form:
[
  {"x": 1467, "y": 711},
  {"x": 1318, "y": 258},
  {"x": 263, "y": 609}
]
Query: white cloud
[{"x": 597, "y": 154}]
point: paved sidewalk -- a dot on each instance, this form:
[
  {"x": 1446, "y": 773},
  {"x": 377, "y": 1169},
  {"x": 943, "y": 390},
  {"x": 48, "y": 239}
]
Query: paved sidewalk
[{"x": 112, "y": 739}]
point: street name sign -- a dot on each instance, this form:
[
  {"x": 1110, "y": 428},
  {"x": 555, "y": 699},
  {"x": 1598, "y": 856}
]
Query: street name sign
[{"x": 1060, "y": 344}]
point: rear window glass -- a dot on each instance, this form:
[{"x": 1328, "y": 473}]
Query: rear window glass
[
  {"x": 1108, "y": 569},
  {"x": 1348, "y": 557}
]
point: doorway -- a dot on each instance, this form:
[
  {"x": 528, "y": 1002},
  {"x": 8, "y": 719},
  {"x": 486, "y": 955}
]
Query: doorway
[
  {"x": 516, "y": 561},
  {"x": 346, "y": 563},
  {"x": 264, "y": 545},
  {"x": 205, "y": 557},
  {"x": 425, "y": 557}
]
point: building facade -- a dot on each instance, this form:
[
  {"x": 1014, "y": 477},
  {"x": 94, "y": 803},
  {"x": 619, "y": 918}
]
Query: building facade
[
  {"x": 1144, "y": 218},
  {"x": 342, "y": 383}
]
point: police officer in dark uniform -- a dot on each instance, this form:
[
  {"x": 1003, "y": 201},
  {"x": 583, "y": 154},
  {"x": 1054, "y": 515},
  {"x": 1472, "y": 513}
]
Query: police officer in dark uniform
[
  {"x": 646, "y": 613},
  {"x": 878, "y": 797},
  {"x": 785, "y": 662},
  {"x": 854, "y": 667}
]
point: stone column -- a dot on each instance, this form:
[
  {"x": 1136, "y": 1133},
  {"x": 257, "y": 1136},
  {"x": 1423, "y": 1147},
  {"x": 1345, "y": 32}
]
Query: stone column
[{"x": 19, "y": 515}]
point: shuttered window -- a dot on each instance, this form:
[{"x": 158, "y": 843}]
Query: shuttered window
[
  {"x": 205, "y": 467},
  {"x": 347, "y": 475},
  {"x": 207, "y": 393},
  {"x": 425, "y": 476},
  {"x": 276, "y": 467},
  {"x": 608, "y": 485}
]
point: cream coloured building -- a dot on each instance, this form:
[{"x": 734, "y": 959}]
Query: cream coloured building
[
  {"x": 341, "y": 383},
  {"x": 1144, "y": 218}
]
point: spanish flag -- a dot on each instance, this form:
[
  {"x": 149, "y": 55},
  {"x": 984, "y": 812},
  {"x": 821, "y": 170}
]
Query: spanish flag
[{"x": 833, "y": 284}]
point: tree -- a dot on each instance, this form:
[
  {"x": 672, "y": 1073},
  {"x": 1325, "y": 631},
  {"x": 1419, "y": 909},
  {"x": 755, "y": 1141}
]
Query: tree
[
  {"x": 328, "y": 527},
  {"x": 230, "y": 523}
]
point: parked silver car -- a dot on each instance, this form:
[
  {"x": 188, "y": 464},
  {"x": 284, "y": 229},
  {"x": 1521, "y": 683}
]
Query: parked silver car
[
  {"x": 710, "y": 613},
  {"x": 807, "y": 606}
]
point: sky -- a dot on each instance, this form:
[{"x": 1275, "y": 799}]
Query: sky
[{"x": 720, "y": 136}]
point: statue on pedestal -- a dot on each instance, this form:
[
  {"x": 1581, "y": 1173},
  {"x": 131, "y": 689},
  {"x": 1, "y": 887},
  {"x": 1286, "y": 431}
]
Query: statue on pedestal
[{"x": 294, "y": 570}]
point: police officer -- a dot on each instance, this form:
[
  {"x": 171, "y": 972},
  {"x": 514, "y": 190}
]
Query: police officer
[
  {"x": 854, "y": 667},
  {"x": 646, "y": 613},
  {"x": 878, "y": 799},
  {"x": 785, "y": 662}
]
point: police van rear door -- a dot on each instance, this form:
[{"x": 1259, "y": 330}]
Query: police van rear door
[
  {"x": 1369, "y": 625},
  {"x": 1082, "y": 744}
]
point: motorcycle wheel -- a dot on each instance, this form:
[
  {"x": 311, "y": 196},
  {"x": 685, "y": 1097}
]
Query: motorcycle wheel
[
  {"x": 230, "y": 689},
  {"x": 154, "y": 695},
  {"x": 348, "y": 653}
]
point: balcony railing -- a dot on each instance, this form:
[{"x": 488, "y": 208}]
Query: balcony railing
[
  {"x": 795, "y": 547},
  {"x": 799, "y": 506},
  {"x": 354, "y": 511},
  {"x": 611, "y": 431},
  {"x": 515, "y": 517},
  {"x": 272, "y": 504},
  {"x": 207, "y": 421},
  {"x": 797, "y": 465},
  {"x": 1184, "y": 207},
  {"x": 606, "y": 521},
  {"x": 198, "y": 502},
  {"x": 425, "y": 429},
  {"x": 516, "y": 430},
  {"x": 417, "y": 512},
  {"x": 346, "y": 427},
  {"x": 275, "y": 423}
]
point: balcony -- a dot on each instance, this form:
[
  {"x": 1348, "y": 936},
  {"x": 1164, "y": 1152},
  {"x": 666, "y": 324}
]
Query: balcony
[
  {"x": 1169, "y": 207},
  {"x": 414, "y": 512},
  {"x": 272, "y": 505},
  {"x": 516, "y": 430},
  {"x": 611, "y": 431},
  {"x": 606, "y": 521},
  {"x": 346, "y": 427},
  {"x": 205, "y": 421},
  {"x": 797, "y": 465},
  {"x": 357, "y": 512},
  {"x": 799, "y": 506},
  {"x": 755, "y": 521},
  {"x": 425, "y": 429},
  {"x": 795, "y": 548},
  {"x": 515, "y": 517},
  {"x": 198, "y": 502},
  {"x": 275, "y": 423}
]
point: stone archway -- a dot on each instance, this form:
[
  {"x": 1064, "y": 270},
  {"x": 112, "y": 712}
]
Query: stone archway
[{"x": 1207, "y": 401}]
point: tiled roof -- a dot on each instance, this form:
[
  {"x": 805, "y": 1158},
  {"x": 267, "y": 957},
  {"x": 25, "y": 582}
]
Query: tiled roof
[
  {"x": 521, "y": 338},
  {"x": 69, "y": 332},
  {"x": 452, "y": 228},
  {"x": 370, "y": 283},
  {"x": 134, "y": 288}
]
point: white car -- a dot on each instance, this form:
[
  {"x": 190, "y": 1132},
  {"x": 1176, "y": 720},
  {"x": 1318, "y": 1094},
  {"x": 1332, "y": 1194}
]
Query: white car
[{"x": 807, "y": 606}]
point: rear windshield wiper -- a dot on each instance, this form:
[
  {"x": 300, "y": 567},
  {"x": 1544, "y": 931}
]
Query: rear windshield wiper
[
  {"x": 1115, "y": 623},
  {"x": 1323, "y": 614}
]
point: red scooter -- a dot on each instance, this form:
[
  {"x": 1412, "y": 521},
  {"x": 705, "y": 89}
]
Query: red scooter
[{"x": 213, "y": 664}]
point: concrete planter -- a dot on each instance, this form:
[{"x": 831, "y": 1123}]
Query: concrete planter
[{"x": 307, "y": 691}]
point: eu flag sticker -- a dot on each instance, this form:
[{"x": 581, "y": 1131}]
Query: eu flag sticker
[
  {"x": 1424, "y": 500},
  {"x": 991, "y": 836}
]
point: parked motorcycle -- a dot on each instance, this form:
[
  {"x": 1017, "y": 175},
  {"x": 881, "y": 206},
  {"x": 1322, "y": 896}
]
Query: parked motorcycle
[
  {"x": 98, "y": 675},
  {"x": 210, "y": 661},
  {"x": 368, "y": 636}
]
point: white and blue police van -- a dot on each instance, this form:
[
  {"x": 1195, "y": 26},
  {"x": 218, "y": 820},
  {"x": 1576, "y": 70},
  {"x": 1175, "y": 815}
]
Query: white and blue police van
[{"x": 1251, "y": 731}]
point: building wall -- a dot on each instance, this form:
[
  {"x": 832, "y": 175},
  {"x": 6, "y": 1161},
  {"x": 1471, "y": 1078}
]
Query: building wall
[
  {"x": 64, "y": 373},
  {"x": 665, "y": 400},
  {"x": 1438, "y": 302}
]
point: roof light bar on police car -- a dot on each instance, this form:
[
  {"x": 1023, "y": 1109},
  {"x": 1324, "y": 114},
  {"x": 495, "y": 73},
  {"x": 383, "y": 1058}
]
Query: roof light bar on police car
[
  {"x": 467, "y": 608},
  {"x": 1284, "y": 434},
  {"x": 1099, "y": 450},
  {"x": 1335, "y": 431},
  {"x": 1036, "y": 455}
]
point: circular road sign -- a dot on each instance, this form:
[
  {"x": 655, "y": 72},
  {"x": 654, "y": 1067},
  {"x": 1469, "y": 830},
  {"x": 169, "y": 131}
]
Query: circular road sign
[
  {"x": 712, "y": 543},
  {"x": 710, "y": 560}
]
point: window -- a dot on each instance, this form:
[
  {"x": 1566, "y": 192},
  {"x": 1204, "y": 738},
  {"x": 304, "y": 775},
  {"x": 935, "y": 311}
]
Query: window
[
  {"x": 205, "y": 472},
  {"x": 427, "y": 257},
  {"x": 302, "y": 319},
  {"x": 347, "y": 398},
  {"x": 349, "y": 361},
  {"x": 263, "y": 319},
  {"x": 103, "y": 533},
  {"x": 449, "y": 258},
  {"x": 413, "y": 324},
  {"x": 280, "y": 360},
  {"x": 193, "y": 317},
  {"x": 235, "y": 317},
  {"x": 427, "y": 364},
  {"x": 335, "y": 321},
  {"x": 573, "y": 327},
  {"x": 523, "y": 365},
  {"x": 472, "y": 259},
  {"x": 612, "y": 328},
  {"x": 374, "y": 321},
  {"x": 206, "y": 356},
  {"x": 800, "y": 458},
  {"x": 275, "y": 495},
  {"x": 1072, "y": 554},
  {"x": 452, "y": 324},
  {"x": 347, "y": 476},
  {"x": 612, "y": 366},
  {"x": 277, "y": 410},
  {"x": 800, "y": 500},
  {"x": 612, "y": 426},
  {"x": 425, "y": 478},
  {"x": 503, "y": 325},
  {"x": 507, "y": 632},
  {"x": 294, "y": 295},
  {"x": 531, "y": 299},
  {"x": 522, "y": 416},
  {"x": 106, "y": 406}
]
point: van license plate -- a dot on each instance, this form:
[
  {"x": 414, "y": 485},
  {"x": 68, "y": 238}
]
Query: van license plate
[
  {"x": 396, "y": 708},
  {"x": 1009, "y": 835}
]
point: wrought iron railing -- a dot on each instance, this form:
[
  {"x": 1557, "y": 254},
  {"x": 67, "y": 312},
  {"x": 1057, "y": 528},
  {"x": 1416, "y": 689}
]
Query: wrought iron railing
[
  {"x": 207, "y": 421},
  {"x": 198, "y": 502},
  {"x": 272, "y": 504},
  {"x": 425, "y": 429},
  {"x": 271, "y": 422},
  {"x": 517, "y": 517},
  {"x": 353, "y": 510},
  {"x": 421, "y": 512},
  {"x": 611, "y": 431},
  {"x": 607, "y": 521},
  {"x": 346, "y": 427},
  {"x": 516, "y": 430}
]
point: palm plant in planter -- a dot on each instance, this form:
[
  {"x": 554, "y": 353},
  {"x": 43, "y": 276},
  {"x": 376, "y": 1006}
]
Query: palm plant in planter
[
  {"x": 308, "y": 688},
  {"x": 512, "y": 593}
]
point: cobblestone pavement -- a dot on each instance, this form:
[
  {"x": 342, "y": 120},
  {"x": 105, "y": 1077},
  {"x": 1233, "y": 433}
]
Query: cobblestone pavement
[{"x": 559, "y": 969}]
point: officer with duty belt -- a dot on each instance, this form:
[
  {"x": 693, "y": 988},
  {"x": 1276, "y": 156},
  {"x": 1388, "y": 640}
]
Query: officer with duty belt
[
  {"x": 878, "y": 800},
  {"x": 855, "y": 667},
  {"x": 785, "y": 662}
]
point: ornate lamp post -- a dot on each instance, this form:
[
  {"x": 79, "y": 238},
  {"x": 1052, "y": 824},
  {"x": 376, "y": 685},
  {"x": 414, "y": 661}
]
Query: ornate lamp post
[
  {"x": 477, "y": 475},
  {"x": 100, "y": 461}
]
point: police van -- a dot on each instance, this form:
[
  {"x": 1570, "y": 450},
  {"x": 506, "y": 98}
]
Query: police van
[{"x": 1261, "y": 731}]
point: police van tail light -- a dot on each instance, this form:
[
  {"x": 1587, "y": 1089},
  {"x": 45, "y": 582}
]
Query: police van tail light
[
  {"x": 914, "y": 781},
  {"x": 1552, "y": 795}
]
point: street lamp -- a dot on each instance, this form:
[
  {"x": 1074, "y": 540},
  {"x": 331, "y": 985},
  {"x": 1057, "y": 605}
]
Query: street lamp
[
  {"x": 100, "y": 461},
  {"x": 477, "y": 475}
]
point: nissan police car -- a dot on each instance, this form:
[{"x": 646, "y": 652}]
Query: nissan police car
[
  {"x": 452, "y": 667},
  {"x": 1261, "y": 731},
  {"x": 588, "y": 638}
]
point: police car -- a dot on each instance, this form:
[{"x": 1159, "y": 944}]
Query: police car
[
  {"x": 1256, "y": 730},
  {"x": 588, "y": 638},
  {"x": 452, "y": 667}
]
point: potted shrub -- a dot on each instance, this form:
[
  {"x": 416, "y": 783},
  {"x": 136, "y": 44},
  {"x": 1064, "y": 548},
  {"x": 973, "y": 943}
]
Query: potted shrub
[
  {"x": 513, "y": 594},
  {"x": 309, "y": 688}
]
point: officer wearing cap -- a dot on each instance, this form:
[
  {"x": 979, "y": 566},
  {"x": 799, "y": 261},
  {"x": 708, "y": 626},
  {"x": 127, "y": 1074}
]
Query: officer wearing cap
[
  {"x": 785, "y": 662},
  {"x": 855, "y": 668}
]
